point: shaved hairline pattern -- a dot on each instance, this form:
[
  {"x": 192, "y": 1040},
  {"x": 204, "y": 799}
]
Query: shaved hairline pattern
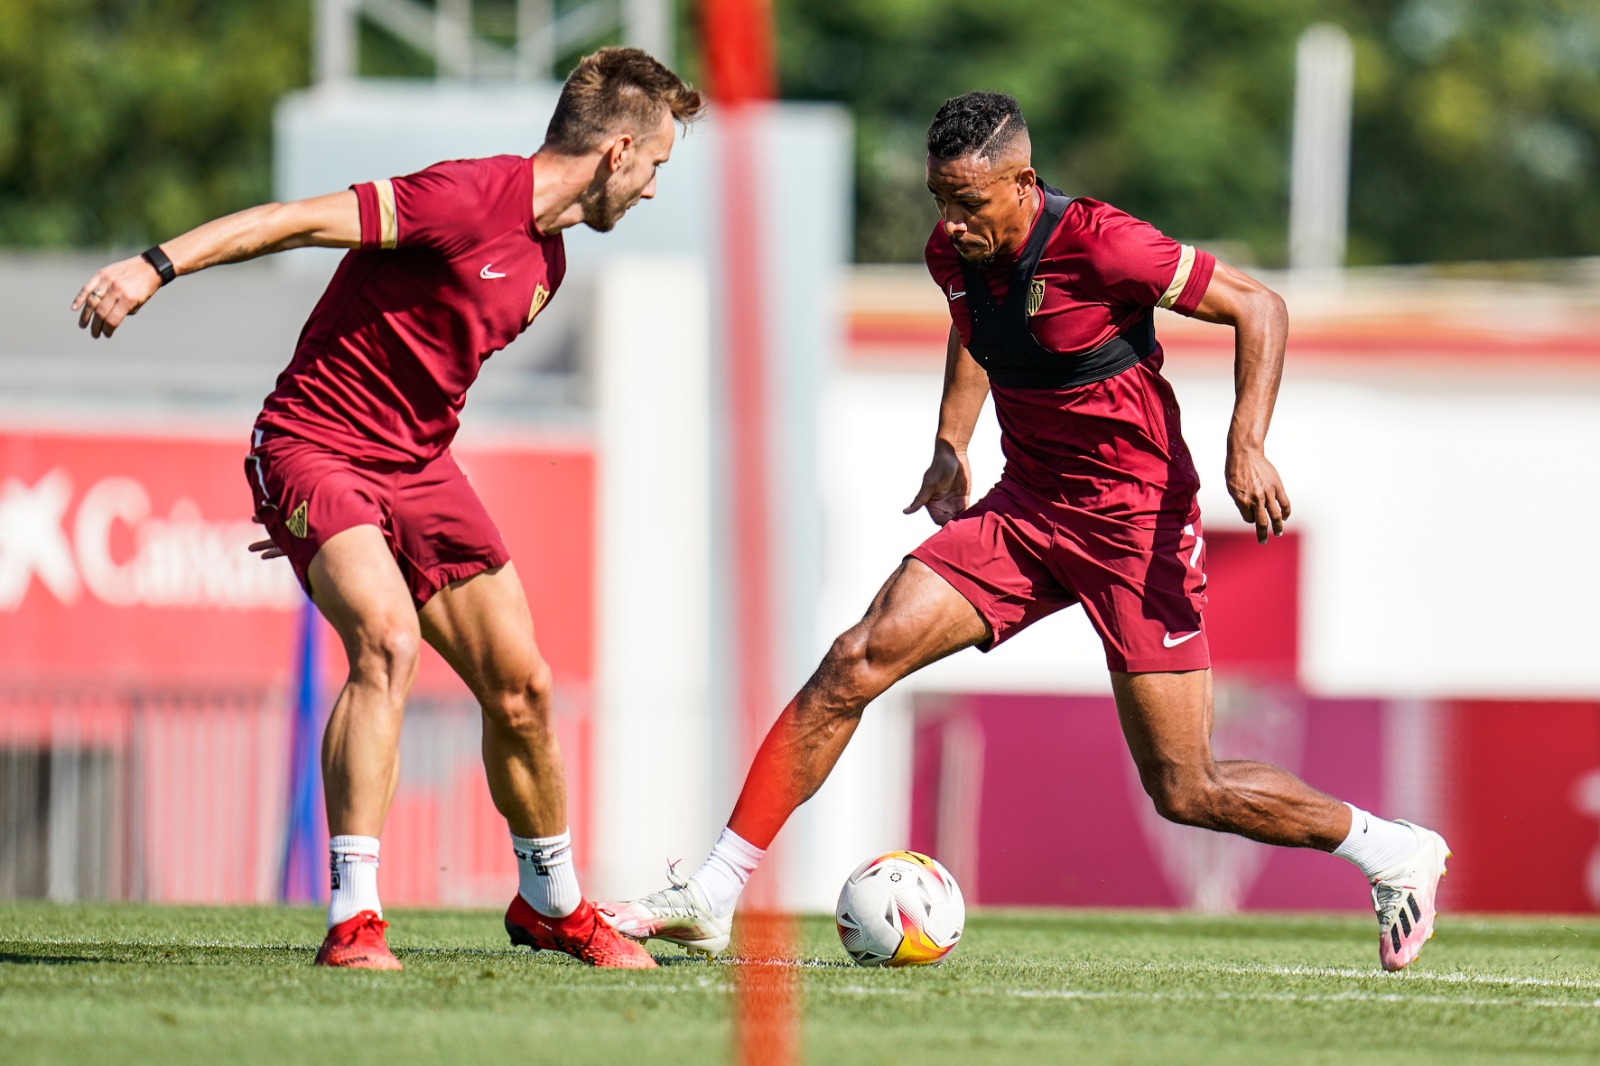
[
  {"x": 981, "y": 123},
  {"x": 997, "y": 143}
]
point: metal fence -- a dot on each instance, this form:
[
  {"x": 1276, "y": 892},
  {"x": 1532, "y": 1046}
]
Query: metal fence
[{"x": 182, "y": 797}]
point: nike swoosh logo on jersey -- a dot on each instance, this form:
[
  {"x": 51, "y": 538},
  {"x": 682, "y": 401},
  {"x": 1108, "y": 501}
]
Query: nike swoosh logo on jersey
[
  {"x": 488, "y": 273},
  {"x": 952, "y": 293},
  {"x": 1169, "y": 641}
]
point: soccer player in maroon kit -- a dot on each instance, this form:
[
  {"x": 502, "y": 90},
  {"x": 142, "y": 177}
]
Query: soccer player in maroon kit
[
  {"x": 352, "y": 476},
  {"x": 1051, "y": 302}
]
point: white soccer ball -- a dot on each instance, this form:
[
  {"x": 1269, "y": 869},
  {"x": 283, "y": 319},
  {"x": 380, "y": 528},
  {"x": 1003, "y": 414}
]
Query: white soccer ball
[{"x": 900, "y": 909}]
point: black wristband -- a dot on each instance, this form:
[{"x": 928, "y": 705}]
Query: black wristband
[{"x": 158, "y": 259}]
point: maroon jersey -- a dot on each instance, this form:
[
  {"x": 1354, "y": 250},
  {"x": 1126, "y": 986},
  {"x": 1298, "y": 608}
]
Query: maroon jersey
[
  {"x": 1085, "y": 416},
  {"x": 451, "y": 268},
  {"x": 1097, "y": 502}
]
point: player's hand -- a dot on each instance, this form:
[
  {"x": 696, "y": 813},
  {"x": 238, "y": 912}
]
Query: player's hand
[
  {"x": 269, "y": 549},
  {"x": 945, "y": 486},
  {"x": 1257, "y": 491},
  {"x": 114, "y": 293}
]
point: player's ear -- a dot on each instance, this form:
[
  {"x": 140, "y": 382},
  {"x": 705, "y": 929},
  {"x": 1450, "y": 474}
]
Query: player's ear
[
  {"x": 619, "y": 151},
  {"x": 1027, "y": 178}
]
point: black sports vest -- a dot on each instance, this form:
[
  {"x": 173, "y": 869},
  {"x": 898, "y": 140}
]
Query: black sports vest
[{"x": 1005, "y": 346}]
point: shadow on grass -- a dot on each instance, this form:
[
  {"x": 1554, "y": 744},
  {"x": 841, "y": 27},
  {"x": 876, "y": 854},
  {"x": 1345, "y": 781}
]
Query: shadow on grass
[{"x": 9, "y": 958}]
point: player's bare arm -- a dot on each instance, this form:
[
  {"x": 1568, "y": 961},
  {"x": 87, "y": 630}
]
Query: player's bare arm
[
  {"x": 1260, "y": 321},
  {"x": 120, "y": 289},
  {"x": 947, "y": 484}
]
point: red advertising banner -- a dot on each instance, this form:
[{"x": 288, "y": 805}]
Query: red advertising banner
[
  {"x": 1034, "y": 800},
  {"x": 1522, "y": 791},
  {"x": 146, "y": 658},
  {"x": 123, "y": 560}
]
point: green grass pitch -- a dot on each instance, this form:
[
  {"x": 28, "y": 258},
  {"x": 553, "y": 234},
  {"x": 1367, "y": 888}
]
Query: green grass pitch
[{"x": 134, "y": 984}]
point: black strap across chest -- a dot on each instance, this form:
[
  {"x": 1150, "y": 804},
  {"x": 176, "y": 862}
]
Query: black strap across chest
[{"x": 1002, "y": 341}]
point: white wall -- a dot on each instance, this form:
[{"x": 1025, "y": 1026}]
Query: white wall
[{"x": 1448, "y": 527}]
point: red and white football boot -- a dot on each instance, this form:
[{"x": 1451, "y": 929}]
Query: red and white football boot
[
  {"x": 581, "y": 934},
  {"x": 358, "y": 944}
]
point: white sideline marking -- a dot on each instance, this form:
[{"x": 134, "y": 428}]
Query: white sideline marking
[
  {"x": 1455, "y": 978},
  {"x": 1219, "y": 997},
  {"x": 709, "y": 983}
]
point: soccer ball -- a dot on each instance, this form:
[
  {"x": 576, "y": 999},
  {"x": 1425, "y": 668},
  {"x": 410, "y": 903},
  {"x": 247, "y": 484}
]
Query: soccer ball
[{"x": 900, "y": 909}]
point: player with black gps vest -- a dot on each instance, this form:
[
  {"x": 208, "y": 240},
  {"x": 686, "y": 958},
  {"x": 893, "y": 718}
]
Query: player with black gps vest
[{"x": 1052, "y": 301}]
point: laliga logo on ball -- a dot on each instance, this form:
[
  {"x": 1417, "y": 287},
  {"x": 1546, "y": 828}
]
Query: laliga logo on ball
[{"x": 900, "y": 909}]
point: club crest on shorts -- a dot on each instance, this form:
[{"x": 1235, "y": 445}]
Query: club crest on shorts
[
  {"x": 1035, "y": 296},
  {"x": 540, "y": 296},
  {"x": 297, "y": 520}
]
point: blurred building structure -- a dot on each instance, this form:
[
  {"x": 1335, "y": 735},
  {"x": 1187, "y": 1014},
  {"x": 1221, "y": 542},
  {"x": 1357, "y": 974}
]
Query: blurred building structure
[{"x": 1420, "y": 644}]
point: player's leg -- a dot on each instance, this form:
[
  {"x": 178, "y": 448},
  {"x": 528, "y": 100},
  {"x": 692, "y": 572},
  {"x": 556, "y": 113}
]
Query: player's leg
[
  {"x": 323, "y": 512},
  {"x": 1144, "y": 590},
  {"x": 358, "y": 588},
  {"x": 482, "y": 627},
  {"x": 1166, "y": 718},
  {"x": 916, "y": 618}
]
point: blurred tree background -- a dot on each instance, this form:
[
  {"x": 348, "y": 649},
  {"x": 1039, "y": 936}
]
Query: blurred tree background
[
  {"x": 1477, "y": 122},
  {"x": 122, "y": 121}
]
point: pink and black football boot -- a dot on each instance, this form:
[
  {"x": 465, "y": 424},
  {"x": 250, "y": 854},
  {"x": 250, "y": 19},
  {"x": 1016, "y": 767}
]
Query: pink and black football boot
[{"x": 1403, "y": 896}]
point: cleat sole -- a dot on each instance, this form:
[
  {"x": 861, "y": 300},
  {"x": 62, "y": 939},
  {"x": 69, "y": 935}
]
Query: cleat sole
[
  {"x": 362, "y": 964},
  {"x": 693, "y": 947},
  {"x": 519, "y": 936}
]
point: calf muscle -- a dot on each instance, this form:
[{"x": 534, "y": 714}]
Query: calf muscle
[
  {"x": 483, "y": 629},
  {"x": 1166, "y": 718}
]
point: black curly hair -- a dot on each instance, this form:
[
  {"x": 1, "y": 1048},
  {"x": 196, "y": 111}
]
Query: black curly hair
[{"x": 982, "y": 122}]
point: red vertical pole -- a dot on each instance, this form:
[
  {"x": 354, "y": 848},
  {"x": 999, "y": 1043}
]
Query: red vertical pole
[{"x": 740, "y": 65}]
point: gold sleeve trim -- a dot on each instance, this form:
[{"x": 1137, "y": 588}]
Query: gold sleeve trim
[
  {"x": 1180, "y": 277},
  {"x": 541, "y": 295},
  {"x": 388, "y": 229}
]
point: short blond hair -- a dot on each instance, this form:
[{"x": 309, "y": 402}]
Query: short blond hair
[{"x": 617, "y": 90}]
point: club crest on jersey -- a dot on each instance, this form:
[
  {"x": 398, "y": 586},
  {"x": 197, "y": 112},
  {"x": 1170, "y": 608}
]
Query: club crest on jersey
[
  {"x": 297, "y": 520},
  {"x": 540, "y": 296},
  {"x": 1035, "y": 296}
]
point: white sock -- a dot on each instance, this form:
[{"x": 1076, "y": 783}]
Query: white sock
[
  {"x": 1376, "y": 845},
  {"x": 353, "y": 876},
  {"x": 729, "y": 866},
  {"x": 545, "y": 875}
]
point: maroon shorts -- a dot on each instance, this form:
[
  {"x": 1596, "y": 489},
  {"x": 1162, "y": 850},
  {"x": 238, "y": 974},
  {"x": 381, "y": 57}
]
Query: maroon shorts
[
  {"x": 1018, "y": 558},
  {"x": 435, "y": 524}
]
